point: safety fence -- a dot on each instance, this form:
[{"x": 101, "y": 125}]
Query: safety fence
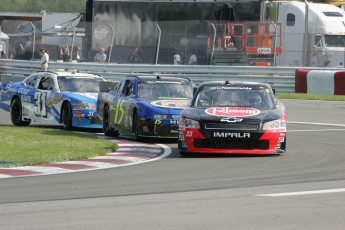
[{"x": 280, "y": 78}]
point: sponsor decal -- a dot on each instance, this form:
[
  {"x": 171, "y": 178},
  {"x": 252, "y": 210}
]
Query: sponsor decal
[
  {"x": 264, "y": 50},
  {"x": 56, "y": 98},
  {"x": 78, "y": 105},
  {"x": 173, "y": 131},
  {"x": 174, "y": 122},
  {"x": 101, "y": 32},
  {"x": 232, "y": 135},
  {"x": 25, "y": 111},
  {"x": 23, "y": 91},
  {"x": 24, "y": 98},
  {"x": 50, "y": 103},
  {"x": 78, "y": 115},
  {"x": 9, "y": 89},
  {"x": 231, "y": 119},
  {"x": 78, "y": 111},
  {"x": 234, "y": 87},
  {"x": 176, "y": 104},
  {"x": 232, "y": 111}
]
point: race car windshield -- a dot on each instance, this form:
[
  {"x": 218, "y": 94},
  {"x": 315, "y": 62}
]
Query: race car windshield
[
  {"x": 254, "y": 97},
  {"x": 82, "y": 85},
  {"x": 165, "y": 89}
]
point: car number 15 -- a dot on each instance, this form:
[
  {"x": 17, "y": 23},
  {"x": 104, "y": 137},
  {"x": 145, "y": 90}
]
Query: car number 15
[{"x": 119, "y": 111}]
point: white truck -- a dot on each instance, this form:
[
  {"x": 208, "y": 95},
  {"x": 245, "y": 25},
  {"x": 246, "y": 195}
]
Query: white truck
[{"x": 313, "y": 34}]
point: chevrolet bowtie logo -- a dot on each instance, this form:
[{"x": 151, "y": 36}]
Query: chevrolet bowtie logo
[{"x": 231, "y": 119}]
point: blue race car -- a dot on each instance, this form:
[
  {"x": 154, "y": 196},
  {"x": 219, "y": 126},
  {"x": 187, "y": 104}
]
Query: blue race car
[
  {"x": 144, "y": 106},
  {"x": 53, "y": 98}
]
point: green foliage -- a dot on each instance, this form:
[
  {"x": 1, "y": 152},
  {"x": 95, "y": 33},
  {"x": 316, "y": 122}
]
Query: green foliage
[{"x": 36, "y": 6}]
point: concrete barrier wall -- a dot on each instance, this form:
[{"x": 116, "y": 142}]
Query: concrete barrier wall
[{"x": 330, "y": 82}]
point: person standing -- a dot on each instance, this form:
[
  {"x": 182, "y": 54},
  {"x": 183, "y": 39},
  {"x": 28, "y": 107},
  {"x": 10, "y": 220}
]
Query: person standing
[
  {"x": 100, "y": 57},
  {"x": 44, "y": 59},
  {"x": 135, "y": 56},
  {"x": 192, "y": 59},
  {"x": 64, "y": 53},
  {"x": 177, "y": 58}
]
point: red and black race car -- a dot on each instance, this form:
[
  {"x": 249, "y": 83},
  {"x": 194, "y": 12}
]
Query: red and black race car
[{"x": 233, "y": 118}]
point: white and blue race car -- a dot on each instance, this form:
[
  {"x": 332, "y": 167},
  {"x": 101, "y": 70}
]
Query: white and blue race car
[{"x": 53, "y": 98}]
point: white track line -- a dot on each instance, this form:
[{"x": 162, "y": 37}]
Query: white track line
[{"x": 312, "y": 192}]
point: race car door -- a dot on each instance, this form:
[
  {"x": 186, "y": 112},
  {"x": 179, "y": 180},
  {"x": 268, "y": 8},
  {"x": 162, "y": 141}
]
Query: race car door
[
  {"x": 42, "y": 110},
  {"x": 123, "y": 116}
]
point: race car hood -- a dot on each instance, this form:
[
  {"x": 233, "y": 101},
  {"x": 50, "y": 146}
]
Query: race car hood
[
  {"x": 169, "y": 104},
  {"x": 83, "y": 97},
  {"x": 215, "y": 114}
]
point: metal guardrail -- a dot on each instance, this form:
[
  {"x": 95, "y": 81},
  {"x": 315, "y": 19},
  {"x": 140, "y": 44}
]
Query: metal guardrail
[{"x": 280, "y": 78}]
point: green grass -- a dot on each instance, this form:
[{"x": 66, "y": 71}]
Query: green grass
[
  {"x": 34, "y": 145},
  {"x": 303, "y": 96}
]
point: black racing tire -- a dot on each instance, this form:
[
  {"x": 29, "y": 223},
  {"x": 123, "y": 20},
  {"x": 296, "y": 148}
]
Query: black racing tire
[
  {"x": 107, "y": 130},
  {"x": 283, "y": 147},
  {"x": 16, "y": 113},
  {"x": 66, "y": 116},
  {"x": 136, "y": 126},
  {"x": 185, "y": 154},
  {"x": 182, "y": 153}
]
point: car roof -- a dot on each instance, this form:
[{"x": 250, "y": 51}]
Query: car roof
[
  {"x": 158, "y": 77},
  {"x": 70, "y": 74},
  {"x": 234, "y": 83}
]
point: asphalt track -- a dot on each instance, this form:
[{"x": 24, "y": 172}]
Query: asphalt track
[{"x": 301, "y": 189}]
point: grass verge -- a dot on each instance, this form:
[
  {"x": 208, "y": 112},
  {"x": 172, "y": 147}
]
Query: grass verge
[
  {"x": 304, "y": 96},
  {"x": 34, "y": 145}
]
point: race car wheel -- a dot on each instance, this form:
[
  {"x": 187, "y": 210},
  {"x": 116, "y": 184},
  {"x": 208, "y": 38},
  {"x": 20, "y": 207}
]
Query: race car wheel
[
  {"x": 107, "y": 130},
  {"x": 66, "y": 116},
  {"x": 16, "y": 113},
  {"x": 136, "y": 126}
]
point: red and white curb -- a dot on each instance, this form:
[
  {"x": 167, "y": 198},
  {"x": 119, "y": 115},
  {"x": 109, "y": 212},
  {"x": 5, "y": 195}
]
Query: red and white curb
[{"x": 128, "y": 153}]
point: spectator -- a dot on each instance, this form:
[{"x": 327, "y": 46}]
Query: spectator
[
  {"x": 77, "y": 55},
  {"x": 64, "y": 53},
  {"x": 44, "y": 59},
  {"x": 135, "y": 56},
  {"x": 100, "y": 57},
  {"x": 231, "y": 42},
  {"x": 177, "y": 58},
  {"x": 77, "y": 52},
  {"x": 192, "y": 59},
  {"x": 19, "y": 51},
  {"x": 2, "y": 55}
]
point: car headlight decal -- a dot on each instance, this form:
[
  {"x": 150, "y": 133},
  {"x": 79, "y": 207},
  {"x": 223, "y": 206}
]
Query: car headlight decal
[
  {"x": 189, "y": 123},
  {"x": 275, "y": 125}
]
